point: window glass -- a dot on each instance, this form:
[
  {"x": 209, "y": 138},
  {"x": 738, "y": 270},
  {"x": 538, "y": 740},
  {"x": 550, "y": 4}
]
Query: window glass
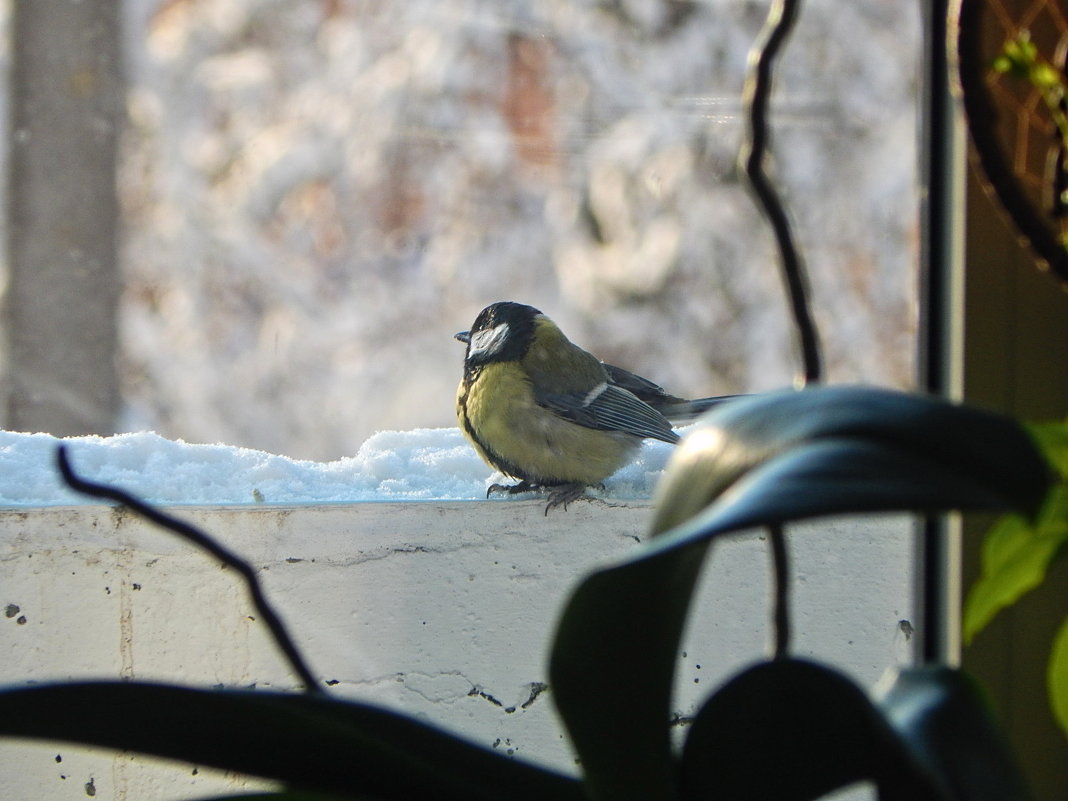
[{"x": 317, "y": 195}]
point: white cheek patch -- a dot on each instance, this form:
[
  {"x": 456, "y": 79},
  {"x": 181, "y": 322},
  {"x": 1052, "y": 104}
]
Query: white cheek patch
[{"x": 488, "y": 341}]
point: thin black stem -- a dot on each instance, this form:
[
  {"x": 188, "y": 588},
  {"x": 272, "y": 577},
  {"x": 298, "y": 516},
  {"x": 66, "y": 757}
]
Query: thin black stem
[
  {"x": 202, "y": 540},
  {"x": 780, "y": 562},
  {"x": 781, "y": 17}
]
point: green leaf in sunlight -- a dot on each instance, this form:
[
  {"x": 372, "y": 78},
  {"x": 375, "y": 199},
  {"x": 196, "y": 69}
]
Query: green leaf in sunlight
[
  {"x": 1018, "y": 56},
  {"x": 1057, "y": 677},
  {"x": 312, "y": 743},
  {"x": 756, "y": 461},
  {"x": 1014, "y": 559},
  {"x": 1052, "y": 439}
]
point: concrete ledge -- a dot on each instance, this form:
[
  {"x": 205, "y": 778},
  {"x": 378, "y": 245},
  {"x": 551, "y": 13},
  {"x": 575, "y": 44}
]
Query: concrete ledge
[{"x": 441, "y": 609}]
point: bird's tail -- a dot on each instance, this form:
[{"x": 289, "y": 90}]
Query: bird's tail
[{"x": 679, "y": 410}]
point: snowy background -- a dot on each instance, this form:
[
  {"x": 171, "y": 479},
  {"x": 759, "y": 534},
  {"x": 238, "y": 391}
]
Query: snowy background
[{"x": 317, "y": 195}]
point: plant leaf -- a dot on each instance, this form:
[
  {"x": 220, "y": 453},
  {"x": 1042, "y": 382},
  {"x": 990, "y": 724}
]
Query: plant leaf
[
  {"x": 837, "y": 476},
  {"x": 942, "y": 718},
  {"x": 1052, "y": 439},
  {"x": 974, "y": 452},
  {"x": 1014, "y": 559},
  {"x": 751, "y": 462},
  {"x": 794, "y": 730},
  {"x": 308, "y": 742},
  {"x": 611, "y": 666},
  {"x": 1057, "y": 677},
  {"x": 288, "y": 795}
]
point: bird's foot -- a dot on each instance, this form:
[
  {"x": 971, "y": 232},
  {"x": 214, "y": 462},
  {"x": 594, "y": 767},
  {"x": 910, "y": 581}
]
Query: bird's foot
[
  {"x": 512, "y": 489},
  {"x": 564, "y": 494},
  {"x": 558, "y": 494}
]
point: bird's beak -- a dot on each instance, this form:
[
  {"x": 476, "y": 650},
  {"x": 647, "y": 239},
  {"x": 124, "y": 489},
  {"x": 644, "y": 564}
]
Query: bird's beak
[{"x": 463, "y": 336}]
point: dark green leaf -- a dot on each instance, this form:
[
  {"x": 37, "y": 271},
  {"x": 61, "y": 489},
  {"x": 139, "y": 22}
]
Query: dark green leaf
[
  {"x": 942, "y": 718},
  {"x": 308, "y": 742},
  {"x": 611, "y": 668},
  {"x": 836, "y": 476},
  {"x": 793, "y": 730},
  {"x": 288, "y": 795},
  {"x": 752, "y": 462},
  {"x": 980, "y": 459}
]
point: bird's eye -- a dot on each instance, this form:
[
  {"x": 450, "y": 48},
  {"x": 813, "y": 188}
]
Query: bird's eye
[{"x": 488, "y": 340}]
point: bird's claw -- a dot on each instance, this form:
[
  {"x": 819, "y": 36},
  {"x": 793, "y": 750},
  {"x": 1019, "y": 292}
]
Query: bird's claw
[
  {"x": 512, "y": 489},
  {"x": 565, "y": 494},
  {"x": 559, "y": 495}
]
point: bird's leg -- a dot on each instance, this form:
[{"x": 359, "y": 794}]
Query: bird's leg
[
  {"x": 512, "y": 489},
  {"x": 563, "y": 494},
  {"x": 558, "y": 494}
]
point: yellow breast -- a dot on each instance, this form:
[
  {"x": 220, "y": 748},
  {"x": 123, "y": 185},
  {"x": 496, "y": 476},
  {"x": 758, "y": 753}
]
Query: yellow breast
[{"x": 515, "y": 435}]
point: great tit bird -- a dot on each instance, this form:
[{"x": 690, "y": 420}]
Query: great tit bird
[{"x": 544, "y": 411}]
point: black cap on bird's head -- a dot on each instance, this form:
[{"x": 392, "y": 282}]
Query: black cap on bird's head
[{"x": 501, "y": 332}]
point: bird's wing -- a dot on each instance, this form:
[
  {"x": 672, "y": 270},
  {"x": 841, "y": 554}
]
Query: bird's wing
[
  {"x": 643, "y": 388},
  {"x": 677, "y": 410},
  {"x": 609, "y": 408}
]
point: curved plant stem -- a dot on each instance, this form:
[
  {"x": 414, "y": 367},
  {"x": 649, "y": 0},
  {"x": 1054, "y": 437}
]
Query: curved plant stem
[
  {"x": 199, "y": 538},
  {"x": 780, "y": 562},
  {"x": 781, "y": 17}
]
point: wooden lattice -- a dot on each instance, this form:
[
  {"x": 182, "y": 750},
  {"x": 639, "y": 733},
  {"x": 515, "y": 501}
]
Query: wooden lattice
[{"x": 1020, "y": 146}]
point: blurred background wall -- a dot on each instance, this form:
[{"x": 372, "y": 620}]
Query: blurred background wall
[
  {"x": 314, "y": 195},
  {"x": 59, "y": 293}
]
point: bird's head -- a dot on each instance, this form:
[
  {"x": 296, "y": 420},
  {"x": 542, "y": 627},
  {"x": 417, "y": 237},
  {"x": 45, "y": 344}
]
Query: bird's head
[{"x": 502, "y": 332}]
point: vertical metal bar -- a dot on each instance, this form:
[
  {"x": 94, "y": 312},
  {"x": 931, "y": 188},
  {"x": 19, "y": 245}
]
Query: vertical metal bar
[{"x": 941, "y": 268}]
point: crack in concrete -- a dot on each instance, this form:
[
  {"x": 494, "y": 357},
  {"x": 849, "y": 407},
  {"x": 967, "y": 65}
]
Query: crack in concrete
[
  {"x": 534, "y": 689},
  {"x": 375, "y": 555}
]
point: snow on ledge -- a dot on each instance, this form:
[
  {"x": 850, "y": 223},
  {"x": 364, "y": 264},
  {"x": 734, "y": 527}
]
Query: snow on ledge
[{"x": 417, "y": 465}]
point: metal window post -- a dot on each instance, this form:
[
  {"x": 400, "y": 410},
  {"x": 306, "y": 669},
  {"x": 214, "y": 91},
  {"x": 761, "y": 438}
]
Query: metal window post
[{"x": 942, "y": 151}]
